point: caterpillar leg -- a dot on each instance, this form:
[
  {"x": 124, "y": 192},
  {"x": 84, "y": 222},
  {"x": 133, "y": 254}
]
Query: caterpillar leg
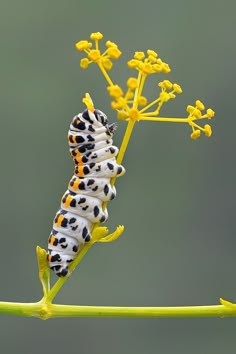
[{"x": 100, "y": 234}]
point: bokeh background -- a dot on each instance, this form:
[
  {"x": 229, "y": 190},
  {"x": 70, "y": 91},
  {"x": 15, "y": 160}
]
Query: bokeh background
[{"x": 177, "y": 199}]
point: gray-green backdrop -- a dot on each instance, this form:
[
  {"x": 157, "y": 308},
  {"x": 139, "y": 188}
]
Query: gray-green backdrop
[{"x": 177, "y": 199}]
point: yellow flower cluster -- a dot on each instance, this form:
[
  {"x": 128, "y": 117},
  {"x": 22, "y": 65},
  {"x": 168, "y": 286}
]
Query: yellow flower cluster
[
  {"x": 132, "y": 105},
  {"x": 173, "y": 89},
  {"x": 94, "y": 54},
  {"x": 148, "y": 64},
  {"x": 195, "y": 113}
]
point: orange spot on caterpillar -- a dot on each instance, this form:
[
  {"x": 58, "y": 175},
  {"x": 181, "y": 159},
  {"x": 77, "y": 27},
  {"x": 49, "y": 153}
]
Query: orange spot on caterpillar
[
  {"x": 79, "y": 160},
  {"x": 74, "y": 138},
  {"x": 81, "y": 171},
  {"x": 52, "y": 239},
  {"x": 59, "y": 220},
  {"x": 76, "y": 184},
  {"x": 67, "y": 201}
]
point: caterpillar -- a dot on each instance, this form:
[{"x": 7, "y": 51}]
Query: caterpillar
[{"x": 90, "y": 139}]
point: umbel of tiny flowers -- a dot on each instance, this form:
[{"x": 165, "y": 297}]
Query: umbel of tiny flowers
[
  {"x": 94, "y": 55},
  {"x": 132, "y": 105}
]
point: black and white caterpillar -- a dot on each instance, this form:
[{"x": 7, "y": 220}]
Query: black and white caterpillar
[{"x": 94, "y": 155}]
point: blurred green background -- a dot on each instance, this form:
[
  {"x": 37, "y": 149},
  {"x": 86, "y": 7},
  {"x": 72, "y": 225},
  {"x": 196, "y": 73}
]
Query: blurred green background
[{"x": 177, "y": 199}]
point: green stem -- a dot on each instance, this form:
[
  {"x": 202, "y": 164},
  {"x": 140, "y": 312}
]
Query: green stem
[
  {"x": 107, "y": 77},
  {"x": 136, "y": 93},
  {"x": 125, "y": 141},
  {"x": 163, "y": 119},
  {"x": 149, "y": 105},
  {"x": 46, "y": 311}
]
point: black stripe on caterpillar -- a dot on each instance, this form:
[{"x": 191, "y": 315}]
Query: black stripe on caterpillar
[{"x": 90, "y": 139}]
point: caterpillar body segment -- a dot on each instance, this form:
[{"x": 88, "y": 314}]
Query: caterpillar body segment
[{"x": 96, "y": 187}]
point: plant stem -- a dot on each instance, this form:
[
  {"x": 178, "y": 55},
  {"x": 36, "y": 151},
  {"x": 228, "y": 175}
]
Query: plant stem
[
  {"x": 161, "y": 119},
  {"x": 125, "y": 141},
  {"x": 46, "y": 311}
]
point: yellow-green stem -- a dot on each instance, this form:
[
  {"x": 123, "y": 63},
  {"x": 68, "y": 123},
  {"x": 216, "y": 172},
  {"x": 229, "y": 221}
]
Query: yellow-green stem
[
  {"x": 160, "y": 119},
  {"x": 136, "y": 93},
  {"x": 46, "y": 311},
  {"x": 142, "y": 81},
  {"x": 125, "y": 141},
  {"x": 149, "y": 105},
  {"x": 107, "y": 77}
]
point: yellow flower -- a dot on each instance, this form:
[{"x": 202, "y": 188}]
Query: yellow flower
[
  {"x": 110, "y": 44},
  {"x": 114, "y": 52},
  {"x": 96, "y": 36},
  {"x": 82, "y": 45},
  {"x": 134, "y": 114},
  {"x": 167, "y": 84},
  {"x": 152, "y": 59},
  {"x": 190, "y": 109},
  {"x": 132, "y": 83},
  {"x": 106, "y": 63},
  {"x": 157, "y": 68},
  {"x": 142, "y": 101},
  {"x": 165, "y": 68},
  {"x": 160, "y": 84},
  {"x": 139, "y": 55},
  {"x": 115, "y": 91},
  {"x": 146, "y": 68},
  {"x": 122, "y": 115},
  {"x": 94, "y": 55},
  {"x": 164, "y": 96},
  {"x": 207, "y": 130},
  {"x": 210, "y": 113},
  {"x": 152, "y": 53},
  {"x": 119, "y": 103},
  {"x": 84, "y": 63},
  {"x": 200, "y": 105},
  {"x": 197, "y": 113},
  {"x": 133, "y": 63},
  {"x": 177, "y": 88},
  {"x": 129, "y": 95},
  {"x": 195, "y": 134},
  {"x": 116, "y": 105}
]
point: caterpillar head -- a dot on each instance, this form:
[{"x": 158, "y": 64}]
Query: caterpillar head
[
  {"x": 95, "y": 116},
  {"x": 101, "y": 117},
  {"x": 92, "y": 114}
]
